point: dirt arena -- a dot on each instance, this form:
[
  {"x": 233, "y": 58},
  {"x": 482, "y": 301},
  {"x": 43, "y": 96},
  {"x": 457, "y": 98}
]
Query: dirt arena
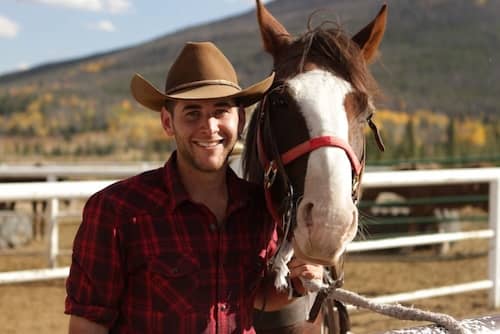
[{"x": 38, "y": 307}]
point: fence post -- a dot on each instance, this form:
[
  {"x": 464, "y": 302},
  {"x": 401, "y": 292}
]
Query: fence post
[
  {"x": 494, "y": 253},
  {"x": 53, "y": 240},
  {"x": 54, "y": 232}
]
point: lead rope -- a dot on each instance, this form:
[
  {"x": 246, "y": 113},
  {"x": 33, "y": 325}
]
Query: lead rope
[{"x": 397, "y": 311}]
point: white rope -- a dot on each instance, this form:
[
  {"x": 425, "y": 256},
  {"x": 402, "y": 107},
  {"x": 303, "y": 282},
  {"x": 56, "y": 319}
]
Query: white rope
[{"x": 398, "y": 311}]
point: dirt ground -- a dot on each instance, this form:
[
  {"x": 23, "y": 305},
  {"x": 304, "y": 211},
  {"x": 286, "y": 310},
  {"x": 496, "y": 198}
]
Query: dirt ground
[{"x": 38, "y": 307}]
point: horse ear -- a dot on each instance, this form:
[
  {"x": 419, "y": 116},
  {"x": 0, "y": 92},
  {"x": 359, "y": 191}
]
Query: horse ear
[
  {"x": 274, "y": 34},
  {"x": 370, "y": 36}
]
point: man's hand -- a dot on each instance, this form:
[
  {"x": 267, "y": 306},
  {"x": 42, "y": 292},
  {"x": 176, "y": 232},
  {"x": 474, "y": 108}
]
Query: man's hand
[
  {"x": 301, "y": 269},
  {"x": 269, "y": 299}
]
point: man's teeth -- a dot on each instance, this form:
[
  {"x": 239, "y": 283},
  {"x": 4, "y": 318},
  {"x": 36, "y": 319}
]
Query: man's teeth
[{"x": 210, "y": 144}]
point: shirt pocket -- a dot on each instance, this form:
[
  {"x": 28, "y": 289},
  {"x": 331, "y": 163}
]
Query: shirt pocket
[
  {"x": 174, "y": 281},
  {"x": 162, "y": 272}
]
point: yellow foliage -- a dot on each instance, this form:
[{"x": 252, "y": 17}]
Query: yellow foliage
[
  {"x": 30, "y": 121},
  {"x": 471, "y": 132},
  {"x": 126, "y": 105},
  {"x": 439, "y": 120},
  {"x": 34, "y": 107},
  {"x": 134, "y": 126},
  {"x": 96, "y": 66},
  {"x": 432, "y": 126},
  {"x": 386, "y": 116},
  {"x": 23, "y": 90},
  {"x": 48, "y": 98},
  {"x": 92, "y": 67},
  {"x": 71, "y": 101}
]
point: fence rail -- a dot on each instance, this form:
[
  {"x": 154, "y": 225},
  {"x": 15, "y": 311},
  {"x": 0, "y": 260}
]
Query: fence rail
[
  {"x": 51, "y": 172},
  {"x": 55, "y": 191}
]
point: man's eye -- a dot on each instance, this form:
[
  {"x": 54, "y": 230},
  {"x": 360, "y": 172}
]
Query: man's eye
[
  {"x": 221, "y": 112},
  {"x": 191, "y": 115}
]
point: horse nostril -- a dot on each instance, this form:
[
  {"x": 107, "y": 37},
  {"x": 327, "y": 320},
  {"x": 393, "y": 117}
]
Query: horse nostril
[{"x": 308, "y": 214}]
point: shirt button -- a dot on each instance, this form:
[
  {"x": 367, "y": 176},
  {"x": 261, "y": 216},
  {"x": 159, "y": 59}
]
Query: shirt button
[{"x": 213, "y": 227}]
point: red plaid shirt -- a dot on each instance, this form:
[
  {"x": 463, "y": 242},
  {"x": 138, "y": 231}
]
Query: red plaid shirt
[{"x": 147, "y": 259}]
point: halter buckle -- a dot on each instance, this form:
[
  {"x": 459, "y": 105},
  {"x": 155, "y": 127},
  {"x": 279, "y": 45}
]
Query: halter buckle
[{"x": 270, "y": 174}]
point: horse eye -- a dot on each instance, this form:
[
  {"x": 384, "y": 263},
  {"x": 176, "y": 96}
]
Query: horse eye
[
  {"x": 362, "y": 101},
  {"x": 357, "y": 104}
]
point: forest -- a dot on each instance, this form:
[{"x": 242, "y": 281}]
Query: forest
[{"x": 46, "y": 127}]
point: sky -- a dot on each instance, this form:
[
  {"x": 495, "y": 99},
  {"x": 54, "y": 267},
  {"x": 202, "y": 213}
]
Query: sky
[{"x": 35, "y": 32}]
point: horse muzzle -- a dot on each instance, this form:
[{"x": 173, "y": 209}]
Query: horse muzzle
[{"x": 322, "y": 237}]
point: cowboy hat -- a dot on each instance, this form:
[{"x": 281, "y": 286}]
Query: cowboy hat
[{"x": 200, "y": 72}]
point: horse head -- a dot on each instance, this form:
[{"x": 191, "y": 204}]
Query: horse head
[{"x": 306, "y": 140}]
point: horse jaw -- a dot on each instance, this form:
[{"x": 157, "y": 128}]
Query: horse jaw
[{"x": 326, "y": 216}]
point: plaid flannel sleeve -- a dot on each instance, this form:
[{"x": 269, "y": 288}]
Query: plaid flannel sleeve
[{"x": 95, "y": 282}]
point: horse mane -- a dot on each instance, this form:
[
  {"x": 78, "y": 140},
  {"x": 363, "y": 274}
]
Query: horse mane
[
  {"x": 333, "y": 50},
  {"x": 251, "y": 166},
  {"x": 329, "y": 48}
]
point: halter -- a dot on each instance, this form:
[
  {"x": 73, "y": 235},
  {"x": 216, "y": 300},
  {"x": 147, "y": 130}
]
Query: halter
[
  {"x": 279, "y": 160},
  {"x": 277, "y": 163},
  {"x": 271, "y": 167}
]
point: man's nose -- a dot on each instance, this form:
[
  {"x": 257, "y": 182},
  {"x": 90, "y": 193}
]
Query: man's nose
[{"x": 211, "y": 124}]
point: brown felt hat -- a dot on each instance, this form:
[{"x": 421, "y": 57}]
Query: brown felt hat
[{"x": 200, "y": 72}]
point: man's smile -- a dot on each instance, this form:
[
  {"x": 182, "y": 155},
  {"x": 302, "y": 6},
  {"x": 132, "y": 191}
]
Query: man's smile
[{"x": 208, "y": 143}]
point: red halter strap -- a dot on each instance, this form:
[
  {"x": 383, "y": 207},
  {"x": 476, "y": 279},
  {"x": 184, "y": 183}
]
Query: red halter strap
[
  {"x": 271, "y": 167},
  {"x": 304, "y": 148},
  {"x": 317, "y": 142}
]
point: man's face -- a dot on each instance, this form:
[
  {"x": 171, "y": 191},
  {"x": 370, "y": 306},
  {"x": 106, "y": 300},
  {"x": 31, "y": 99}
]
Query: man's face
[{"x": 205, "y": 132}]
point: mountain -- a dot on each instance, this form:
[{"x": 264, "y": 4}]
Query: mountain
[{"x": 440, "y": 55}]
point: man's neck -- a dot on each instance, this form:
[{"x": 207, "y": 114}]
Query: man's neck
[
  {"x": 208, "y": 188},
  {"x": 203, "y": 184}
]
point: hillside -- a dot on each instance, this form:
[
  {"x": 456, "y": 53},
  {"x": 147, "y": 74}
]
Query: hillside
[{"x": 437, "y": 55}]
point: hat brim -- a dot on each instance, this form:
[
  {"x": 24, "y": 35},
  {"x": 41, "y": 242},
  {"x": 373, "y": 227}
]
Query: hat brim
[{"x": 150, "y": 97}]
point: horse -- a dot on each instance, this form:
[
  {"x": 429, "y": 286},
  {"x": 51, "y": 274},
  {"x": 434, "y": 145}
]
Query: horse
[
  {"x": 305, "y": 141},
  {"x": 442, "y": 212},
  {"x": 38, "y": 207}
]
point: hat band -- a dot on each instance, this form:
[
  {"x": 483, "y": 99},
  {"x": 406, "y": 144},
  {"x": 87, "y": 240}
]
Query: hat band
[{"x": 202, "y": 83}]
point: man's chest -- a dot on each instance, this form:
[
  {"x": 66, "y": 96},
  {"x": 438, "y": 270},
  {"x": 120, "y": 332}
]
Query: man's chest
[{"x": 186, "y": 263}]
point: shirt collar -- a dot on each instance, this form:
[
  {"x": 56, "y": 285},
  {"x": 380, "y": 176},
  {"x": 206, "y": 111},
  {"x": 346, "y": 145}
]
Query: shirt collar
[
  {"x": 239, "y": 190},
  {"x": 176, "y": 191}
]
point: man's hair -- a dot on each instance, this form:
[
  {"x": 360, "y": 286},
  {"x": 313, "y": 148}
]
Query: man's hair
[{"x": 170, "y": 105}]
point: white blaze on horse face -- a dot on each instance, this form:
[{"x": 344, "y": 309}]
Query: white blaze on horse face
[{"x": 327, "y": 216}]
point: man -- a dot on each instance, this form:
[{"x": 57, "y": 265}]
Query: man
[{"x": 183, "y": 248}]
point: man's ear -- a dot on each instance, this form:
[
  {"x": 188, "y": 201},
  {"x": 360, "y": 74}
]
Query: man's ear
[
  {"x": 167, "y": 121},
  {"x": 241, "y": 120}
]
